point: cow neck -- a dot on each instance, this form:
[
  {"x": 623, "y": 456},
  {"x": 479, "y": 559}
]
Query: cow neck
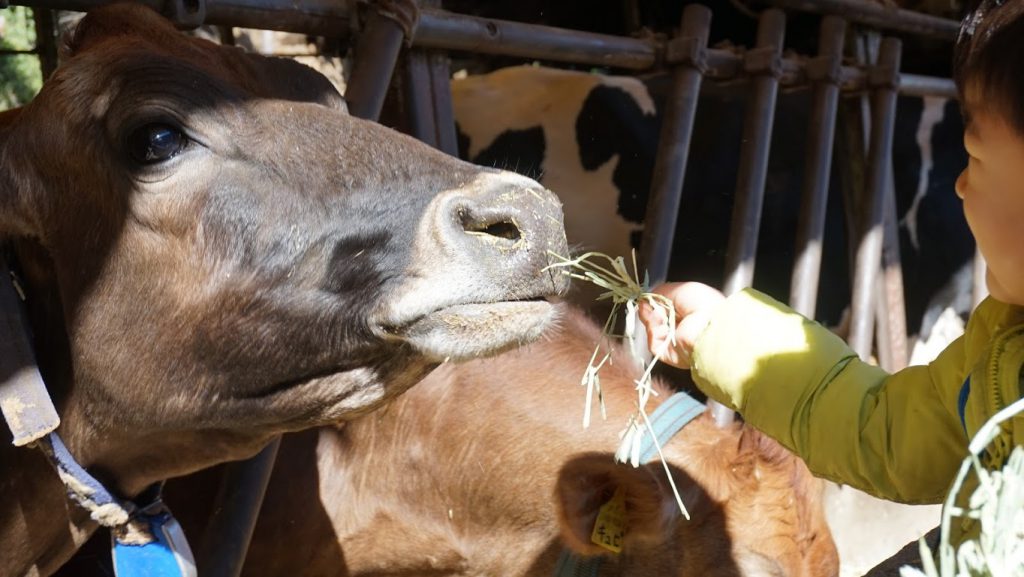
[
  {"x": 40, "y": 532},
  {"x": 30, "y": 414}
]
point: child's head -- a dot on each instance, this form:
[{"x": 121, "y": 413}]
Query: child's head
[
  {"x": 989, "y": 59},
  {"x": 989, "y": 71}
]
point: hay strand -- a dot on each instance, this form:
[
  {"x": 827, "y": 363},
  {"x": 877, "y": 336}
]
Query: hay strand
[
  {"x": 997, "y": 505},
  {"x": 626, "y": 292}
]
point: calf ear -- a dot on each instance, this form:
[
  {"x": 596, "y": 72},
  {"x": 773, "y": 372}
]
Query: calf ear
[{"x": 587, "y": 483}]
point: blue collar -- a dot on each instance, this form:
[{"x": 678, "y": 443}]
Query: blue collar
[
  {"x": 146, "y": 539},
  {"x": 668, "y": 419}
]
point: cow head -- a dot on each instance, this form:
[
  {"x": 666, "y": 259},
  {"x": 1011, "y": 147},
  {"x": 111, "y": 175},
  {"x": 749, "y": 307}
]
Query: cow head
[
  {"x": 755, "y": 509},
  {"x": 217, "y": 252}
]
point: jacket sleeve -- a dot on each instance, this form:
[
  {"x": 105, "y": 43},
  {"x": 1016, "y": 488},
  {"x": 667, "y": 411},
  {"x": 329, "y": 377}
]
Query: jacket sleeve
[{"x": 898, "y": 436}]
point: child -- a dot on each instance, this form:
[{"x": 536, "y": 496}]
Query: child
[{"x": 901, "y": 436}]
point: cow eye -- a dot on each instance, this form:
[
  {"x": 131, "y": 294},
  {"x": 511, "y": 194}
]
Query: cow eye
[{"x": 153, "y": 143}]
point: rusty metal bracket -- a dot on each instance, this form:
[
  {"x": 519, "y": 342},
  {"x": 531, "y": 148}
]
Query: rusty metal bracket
[
  {"x": 763, "y": 61},
  {"x": 186, "y": 14},
  {"x": 688, "y": 51},
  {"x": 405, "y": 13},
  {"x": 825, "y": 69}
]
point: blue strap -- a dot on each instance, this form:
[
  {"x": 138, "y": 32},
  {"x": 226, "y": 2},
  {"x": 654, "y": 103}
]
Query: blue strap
[
  {"x": 146, "y": 541},
  {"x": 961, "y": 404},
  {"x": 158, "y": 547},
  {"x": 103, "y": 507},
  {"x": 668, "y": 419},
  {"x": 167, "y": 555},
  {"x": 572, "y": 565}
]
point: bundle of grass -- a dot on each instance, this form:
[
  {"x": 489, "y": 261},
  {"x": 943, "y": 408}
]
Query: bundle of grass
[
  {"x": 997, "y": 504},
  {"x": 626, "y": 292}
]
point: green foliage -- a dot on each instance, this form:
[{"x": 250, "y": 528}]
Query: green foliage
[{"x": 20, "y": 75}]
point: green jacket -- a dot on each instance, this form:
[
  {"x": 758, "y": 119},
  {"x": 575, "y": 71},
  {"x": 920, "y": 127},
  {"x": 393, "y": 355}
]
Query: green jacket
[{"x": 901, "y": 437}]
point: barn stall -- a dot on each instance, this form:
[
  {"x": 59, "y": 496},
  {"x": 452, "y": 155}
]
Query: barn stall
[{"x": 402, "y": 55}]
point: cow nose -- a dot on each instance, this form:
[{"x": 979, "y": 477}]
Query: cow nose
[{"x": 507, "y": 225}]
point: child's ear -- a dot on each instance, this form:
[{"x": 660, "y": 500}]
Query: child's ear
[{"x": 587, "y": 483}]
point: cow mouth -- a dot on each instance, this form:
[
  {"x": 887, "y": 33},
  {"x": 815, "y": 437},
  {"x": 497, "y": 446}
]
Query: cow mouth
[{"x": 469, "y": 330}]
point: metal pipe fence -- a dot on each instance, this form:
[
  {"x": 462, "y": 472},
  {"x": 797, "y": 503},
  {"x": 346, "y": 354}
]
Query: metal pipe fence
[{"x": 441, "y": 30}]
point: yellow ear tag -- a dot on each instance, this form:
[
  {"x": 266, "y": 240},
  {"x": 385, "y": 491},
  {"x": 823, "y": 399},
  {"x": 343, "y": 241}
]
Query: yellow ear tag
[{"x": 610, "y": 526}]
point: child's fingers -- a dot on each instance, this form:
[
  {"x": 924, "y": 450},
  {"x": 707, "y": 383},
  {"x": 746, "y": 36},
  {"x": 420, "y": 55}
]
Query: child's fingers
[
  {"x": 662, "y": 344},
  {"x": 694, "y": 304},
  {"x": 689, "y": 297}
]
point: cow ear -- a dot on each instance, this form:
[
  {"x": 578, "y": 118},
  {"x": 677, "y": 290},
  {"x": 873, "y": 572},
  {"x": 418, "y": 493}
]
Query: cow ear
[
  {"x": 287, "y": 79},
  {"x": 116, "y": 20},
  {"x": 587, "y": 483}
]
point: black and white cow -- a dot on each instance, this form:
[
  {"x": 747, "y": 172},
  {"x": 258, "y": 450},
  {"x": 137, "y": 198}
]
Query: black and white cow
[{"x": 593, "y": 139}]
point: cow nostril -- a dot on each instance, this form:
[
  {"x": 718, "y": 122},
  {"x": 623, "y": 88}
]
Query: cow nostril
[{"x": 505, "y": 229}]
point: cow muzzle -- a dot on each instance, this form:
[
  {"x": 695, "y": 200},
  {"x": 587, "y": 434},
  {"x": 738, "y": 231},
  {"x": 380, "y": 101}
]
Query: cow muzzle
[{"x": 479, "y": 275}]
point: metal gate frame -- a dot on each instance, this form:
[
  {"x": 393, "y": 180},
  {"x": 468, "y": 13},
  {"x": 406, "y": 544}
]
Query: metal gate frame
[{"x": 383, "y": 27}]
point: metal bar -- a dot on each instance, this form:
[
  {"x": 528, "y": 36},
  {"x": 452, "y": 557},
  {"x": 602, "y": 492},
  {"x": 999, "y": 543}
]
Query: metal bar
[
  {"x": 891, "y": 312},
  {"x": 234, "y": 515},
  {"x": 444, "y": 111},
  {"x": 418, "y": 97},
  {"x": 674, "y": 148},
  {"x": 690, "y": 49},
  {"x": 46, "y": 41},
  {"x": 869, "y": 248},
  {"x": 443, "y": 30},
  {"x": 757, "y": 131},
  {"x": 449, "y": 31},
  {"x": 878, "y": 15},
  {"x": 375, "y": 56},
  {"x": 764, "y": 62},
  {"x": 315, "y": 17},
  {"x": 226, "y": 35},
  {"x": 7, "y": 52},
  {"x": 917, "y": 85},
  {"x": 803, "y": 292}
]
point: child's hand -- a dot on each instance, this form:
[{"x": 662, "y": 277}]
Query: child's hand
[{"x": 694, "y": 303}]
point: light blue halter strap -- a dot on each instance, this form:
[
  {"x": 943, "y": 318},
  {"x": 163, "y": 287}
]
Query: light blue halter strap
[{"x": 668, "y": 419}]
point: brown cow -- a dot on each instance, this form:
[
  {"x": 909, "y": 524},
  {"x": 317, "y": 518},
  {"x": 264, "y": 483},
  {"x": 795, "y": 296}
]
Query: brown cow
[
  {"x": 215, "y": 252},
  {"x": 456, "y": 477}
]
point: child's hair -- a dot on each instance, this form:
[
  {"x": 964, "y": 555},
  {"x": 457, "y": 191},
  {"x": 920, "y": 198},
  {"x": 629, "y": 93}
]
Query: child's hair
[{"x": 989, "y": 58}]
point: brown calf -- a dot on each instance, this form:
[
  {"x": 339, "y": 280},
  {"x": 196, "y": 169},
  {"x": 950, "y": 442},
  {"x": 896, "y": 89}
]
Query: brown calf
[
  {"x": 215, "y": 252},
  {"x": 484, "y": 469}
]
